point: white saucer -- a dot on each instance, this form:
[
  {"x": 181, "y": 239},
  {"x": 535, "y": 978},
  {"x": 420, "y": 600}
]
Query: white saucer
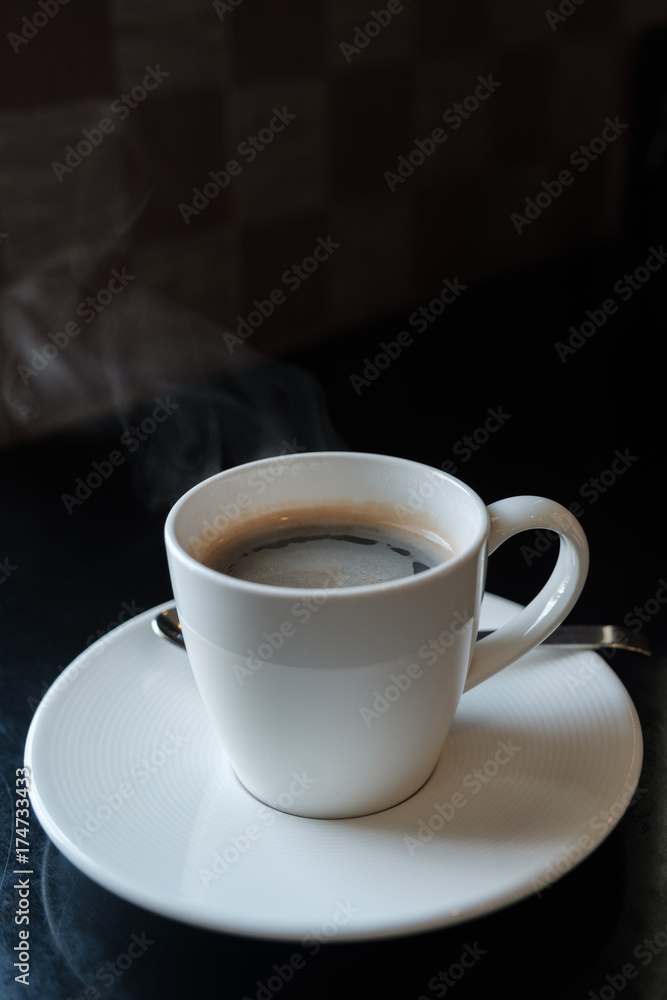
[{"x": 155, "y": 826}]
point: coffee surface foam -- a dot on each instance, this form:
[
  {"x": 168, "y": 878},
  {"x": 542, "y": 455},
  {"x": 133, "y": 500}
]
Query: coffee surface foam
[{"x": 322, "y": 549}]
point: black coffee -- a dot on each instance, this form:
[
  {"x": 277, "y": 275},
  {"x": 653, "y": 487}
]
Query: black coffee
[{"x": 326, "y": 554}]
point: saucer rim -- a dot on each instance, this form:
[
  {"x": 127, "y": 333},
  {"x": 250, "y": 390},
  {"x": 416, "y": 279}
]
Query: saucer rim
[{"x": 187, "y": 911}]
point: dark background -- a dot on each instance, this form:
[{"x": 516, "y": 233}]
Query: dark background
[{"x": 290, "y": 385}]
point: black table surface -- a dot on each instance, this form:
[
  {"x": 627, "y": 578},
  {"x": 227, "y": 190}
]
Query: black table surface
[{"x": 584, "y": 428}]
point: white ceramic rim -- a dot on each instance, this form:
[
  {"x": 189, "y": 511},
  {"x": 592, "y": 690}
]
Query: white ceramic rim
[{"x": 297, "y": 593}]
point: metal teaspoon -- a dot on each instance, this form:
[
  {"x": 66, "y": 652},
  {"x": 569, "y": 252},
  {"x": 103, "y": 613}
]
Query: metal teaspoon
[{"x": 167, "y": 624}]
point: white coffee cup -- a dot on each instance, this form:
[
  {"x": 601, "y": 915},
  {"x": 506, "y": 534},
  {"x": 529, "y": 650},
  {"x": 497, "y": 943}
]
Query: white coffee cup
[{"x": 336, "y": 703}]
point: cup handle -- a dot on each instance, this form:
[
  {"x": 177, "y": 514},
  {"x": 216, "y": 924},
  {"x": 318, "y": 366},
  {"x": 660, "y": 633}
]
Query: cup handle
[{"x": 556, "y": 599}]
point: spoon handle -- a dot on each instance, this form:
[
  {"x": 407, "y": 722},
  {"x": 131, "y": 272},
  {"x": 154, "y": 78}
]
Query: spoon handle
[
  {"x": 577, "y": 636},
  {"x": 594, "y": 637}
]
